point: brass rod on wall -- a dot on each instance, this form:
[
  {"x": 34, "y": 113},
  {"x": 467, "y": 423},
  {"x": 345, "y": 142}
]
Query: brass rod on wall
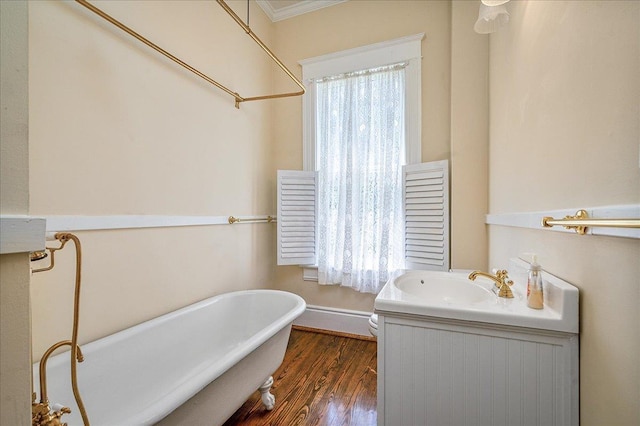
[
  {"x": 581, "y": 221},
  {"x": 268, "y": 219},
  {"x": 200, "y": 74}
]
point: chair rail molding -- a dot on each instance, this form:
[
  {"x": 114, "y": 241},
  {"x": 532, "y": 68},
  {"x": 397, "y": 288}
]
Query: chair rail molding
[
  {"x": 533, "y": 220},
  {"x": 94, "y": 223}
]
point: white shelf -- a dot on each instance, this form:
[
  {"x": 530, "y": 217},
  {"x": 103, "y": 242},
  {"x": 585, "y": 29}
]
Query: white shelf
[{"x": 21, "y": 234}]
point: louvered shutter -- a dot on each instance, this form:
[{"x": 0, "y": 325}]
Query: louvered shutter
[
  {"x": 426, "y": 210},
  {"x": 296, "y": 217}
]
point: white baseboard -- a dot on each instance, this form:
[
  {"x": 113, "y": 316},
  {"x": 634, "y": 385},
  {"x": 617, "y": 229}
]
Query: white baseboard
[{"x": 341, "y": 320}]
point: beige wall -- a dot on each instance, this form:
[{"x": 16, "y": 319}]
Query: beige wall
[
  {"x": 348, "y": 25},
  {"x": 565, "y": 134},
  {"x": 469, "y": 138},
  {"x": 117, "y": 129},
  {"x": 15, "y": 336}
]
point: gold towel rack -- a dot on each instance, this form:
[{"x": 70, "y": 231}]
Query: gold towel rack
[
  {"x": 581, "y": 221},
  {"x": 268, "y": 219},
  {"x": 178, "y": 61}
]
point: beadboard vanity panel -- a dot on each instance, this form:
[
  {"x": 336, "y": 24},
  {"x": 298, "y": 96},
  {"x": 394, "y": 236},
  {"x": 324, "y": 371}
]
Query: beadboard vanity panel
[{"x": 439, "y": 372}]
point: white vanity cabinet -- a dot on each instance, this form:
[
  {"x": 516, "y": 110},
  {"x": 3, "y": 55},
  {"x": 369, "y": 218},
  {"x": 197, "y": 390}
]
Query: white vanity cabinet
[
  {"x": 451, "y": 352},
  {"x": 433, "y": 371}
]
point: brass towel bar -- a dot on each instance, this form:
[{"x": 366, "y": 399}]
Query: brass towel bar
[
  {"x": 246, "y": 29},
  {"x": 268, "y": 219},
  {"x": 581, "y": 221}
]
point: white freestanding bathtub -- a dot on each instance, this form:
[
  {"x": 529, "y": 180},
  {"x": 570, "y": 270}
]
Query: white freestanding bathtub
[{"x": 193, "y": 366}]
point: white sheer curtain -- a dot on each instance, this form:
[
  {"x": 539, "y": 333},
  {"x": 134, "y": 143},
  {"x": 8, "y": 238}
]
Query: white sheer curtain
[{"x": 360, "y": 140}]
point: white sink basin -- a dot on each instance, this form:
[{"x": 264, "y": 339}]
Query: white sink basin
[
  {"x": 452, "y": 295},
  {"x": 444, "y": 287}
]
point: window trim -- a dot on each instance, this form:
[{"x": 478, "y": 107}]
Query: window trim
[{"x": 402, "y": 49}]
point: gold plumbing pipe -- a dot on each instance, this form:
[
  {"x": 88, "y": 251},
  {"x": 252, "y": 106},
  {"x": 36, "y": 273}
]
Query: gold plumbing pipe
[
  {"x": 42, "y": 409},
  {"x": 43, "y": 366},
  {"x": 183, "y": 64},
  {"x": 51, "y": 250},
  {"x": 76, "y": 320}
]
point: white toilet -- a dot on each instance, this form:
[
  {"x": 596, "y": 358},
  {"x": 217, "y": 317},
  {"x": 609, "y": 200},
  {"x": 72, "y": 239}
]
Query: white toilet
[{"x": 373, "y": 325}]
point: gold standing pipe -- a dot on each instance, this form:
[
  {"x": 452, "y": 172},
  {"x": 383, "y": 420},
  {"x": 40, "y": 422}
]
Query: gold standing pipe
[
  {"x": 76, "y": 321},
  {"x": 581, "y": 221},
  {"x": 200, "y": 74},
  {"x": 43, "y": 366},
  {"x": 41, "y": 412}
]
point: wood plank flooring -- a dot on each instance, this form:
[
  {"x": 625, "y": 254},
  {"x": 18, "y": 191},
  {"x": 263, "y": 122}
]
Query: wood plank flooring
[{"x": 324, "y": 380}]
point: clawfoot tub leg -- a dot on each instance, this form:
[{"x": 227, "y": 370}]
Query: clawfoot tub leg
[{"x": 268, "y": 399}]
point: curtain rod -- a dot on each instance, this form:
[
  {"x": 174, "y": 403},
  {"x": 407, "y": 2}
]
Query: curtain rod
[{"x": 246, "y": 29}]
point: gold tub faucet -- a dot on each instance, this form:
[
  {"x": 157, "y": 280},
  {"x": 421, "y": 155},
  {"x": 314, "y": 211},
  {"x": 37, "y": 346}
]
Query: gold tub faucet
[
  {"x": 501, "y": 280},
  {"x": 41, "y": 413}
]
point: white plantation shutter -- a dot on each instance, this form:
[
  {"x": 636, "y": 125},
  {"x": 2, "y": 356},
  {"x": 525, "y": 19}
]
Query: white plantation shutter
[
  {"x": 296, "y": 217},
  {"x": 426, "y": 209}
]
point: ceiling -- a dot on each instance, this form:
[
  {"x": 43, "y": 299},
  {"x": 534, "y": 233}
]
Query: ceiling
[{"x": 277, "y": 10}]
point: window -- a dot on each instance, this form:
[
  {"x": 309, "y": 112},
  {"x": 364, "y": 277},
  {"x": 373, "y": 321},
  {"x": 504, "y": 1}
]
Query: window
[
  {"x": 360, "y": 151},
  {"x": 361, "y": 119}
]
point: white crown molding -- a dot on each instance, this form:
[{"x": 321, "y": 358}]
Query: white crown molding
[
  {"x": 299, "y": 8},
  {"x": 267, "y": 8}
]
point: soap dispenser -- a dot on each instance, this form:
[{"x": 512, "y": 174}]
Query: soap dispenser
[{"x": 535, "y": 295}]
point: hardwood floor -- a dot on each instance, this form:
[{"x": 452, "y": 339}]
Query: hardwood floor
[{"x": 324, "y": 380}]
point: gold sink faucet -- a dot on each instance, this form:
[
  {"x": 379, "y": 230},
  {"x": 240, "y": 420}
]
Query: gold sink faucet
[{"x": 501, "y": 280}]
